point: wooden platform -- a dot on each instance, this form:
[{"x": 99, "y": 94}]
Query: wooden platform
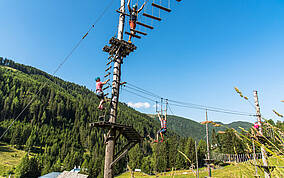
[
  {"x": 127, "y": 131},
  {"x": 119, "y": 46}
]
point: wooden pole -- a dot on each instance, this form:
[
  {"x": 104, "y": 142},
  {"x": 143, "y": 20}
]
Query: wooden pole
[
  {"x": 110, "y": 144},
  {"x": 196, "y": 155},
  {"x": 254, "y": 160},
  {"x": 263, "y": 151},
  {"x": 208, "y": 147}
]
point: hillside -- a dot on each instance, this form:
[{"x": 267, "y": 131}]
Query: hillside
[
  {"x": 55, "y": 127},
  {"x": 189, "y": 128}
]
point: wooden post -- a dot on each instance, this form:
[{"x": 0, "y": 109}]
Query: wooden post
[
  {"x": 254, "y": 160},
  {"x": 263, "y": 151},
  {"x": 110, "y": 144},
  {"x": 208, "y": 146},
  {"x": 197, "y": 171}
]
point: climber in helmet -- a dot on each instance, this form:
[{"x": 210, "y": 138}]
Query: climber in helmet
[
  {"x": 133, "y": 17},
  {"x": 99, "y": 91},
  {"x": 163, "y": 120}
]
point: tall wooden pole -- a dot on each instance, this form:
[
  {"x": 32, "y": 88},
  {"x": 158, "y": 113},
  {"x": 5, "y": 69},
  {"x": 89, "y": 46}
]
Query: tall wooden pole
[
  {"x": 254, "y": 158},
  {"x": 263, "y": 151},
  {"x": 110, "y": 144},
  {"x": 208, "y": 147}
]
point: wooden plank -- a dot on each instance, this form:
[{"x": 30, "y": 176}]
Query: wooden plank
[
  {"x": 136, "y": 36},
  {"x": 151, "y": 16},
  {"x": 136, "y": 31},
  {"x": 108, "y": 68},
  {"x": 109, "y": 62},
  {"x": 161, "y": 7},
  {"x": 107, "y": 75},
  {"x": 122, "y": 13},
  {"x": 145, "y": 25},
  {"x": 106, "y": 88}
]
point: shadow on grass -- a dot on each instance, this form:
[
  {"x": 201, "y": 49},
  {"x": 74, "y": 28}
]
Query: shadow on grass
[{"x": 4, "y": 148}]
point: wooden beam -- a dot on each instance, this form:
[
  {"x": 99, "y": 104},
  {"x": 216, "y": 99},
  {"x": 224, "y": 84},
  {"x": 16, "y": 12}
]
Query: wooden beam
[
  {"x": 122, "y": 13},
  {"x": 109, "y": 62},
  {"x": 107, "y": 75},
  {"x": 145, "y": 25},
  {"x": 151, "y": 16},
  {"x": 161, "y": 7},
  {"x": 136, "y": 36},
  {"x": 106, "y": 88},
  {"x": 136, "y": 31},
  {"x": 108, "y": 68}
]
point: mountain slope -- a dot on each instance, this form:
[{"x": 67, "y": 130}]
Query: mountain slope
[
  {"x": 189, "y": 128},
  {"x": 56, "y": 124}
]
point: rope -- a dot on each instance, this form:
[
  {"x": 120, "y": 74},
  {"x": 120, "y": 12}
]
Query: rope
[
  {"x": 187, "y": 104},
  {"x": 59, "y": 66}
]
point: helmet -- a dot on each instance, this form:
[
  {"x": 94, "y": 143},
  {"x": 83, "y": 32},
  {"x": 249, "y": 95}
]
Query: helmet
[
  {"x": 135, "y": 6},
  {"x": 97, "y": 78}
]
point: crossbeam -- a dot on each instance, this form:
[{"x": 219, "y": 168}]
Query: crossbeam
[
  {"x": 145, "y": 25},
  {"x": 108, "y": 68},
  {"x": 136, "y": 36},
  {"x": 136, "y": 31},
  {"x": 109, "y": 62},
  {"x": 107, "y": 74},
  {"x": 161, "y": 7},
  {"x": 106, "y": 88},
  {"x": 152, "y": 17},
  {"x": 122, "y": 13}
]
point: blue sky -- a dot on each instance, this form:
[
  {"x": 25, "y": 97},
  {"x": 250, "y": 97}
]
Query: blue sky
[{"x": 197, "y": 53}]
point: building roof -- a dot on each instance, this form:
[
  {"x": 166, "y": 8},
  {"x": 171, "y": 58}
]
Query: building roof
[
  {"x": 67, "y": 174},
  {"x": 51, "y": 175}
]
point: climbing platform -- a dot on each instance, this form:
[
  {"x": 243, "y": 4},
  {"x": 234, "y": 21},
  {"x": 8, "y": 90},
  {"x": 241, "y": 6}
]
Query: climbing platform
[
  {"x": 128, "y": 132},
  {"x": 121, "y": 47}
]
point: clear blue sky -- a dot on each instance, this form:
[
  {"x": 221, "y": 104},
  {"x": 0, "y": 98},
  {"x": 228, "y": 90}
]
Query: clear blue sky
[{"x": 198, "y": 53}]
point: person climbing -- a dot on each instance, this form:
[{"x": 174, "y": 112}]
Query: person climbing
[
  {"x": 163, "y": 120},
  {"x": 133, "y": 17},
  {"x": 256, "y": 125},
  {"x": 99, "y": 91}
]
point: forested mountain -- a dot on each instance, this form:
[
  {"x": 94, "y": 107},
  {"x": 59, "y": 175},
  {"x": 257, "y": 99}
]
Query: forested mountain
[
  {"x": 189, "y": 128},
  {"x": 56, "y": 127}
]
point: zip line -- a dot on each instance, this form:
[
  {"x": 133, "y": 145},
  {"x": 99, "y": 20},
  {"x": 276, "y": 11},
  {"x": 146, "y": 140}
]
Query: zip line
[
  {"x": 60, "y": 65},
  {"x": 140, "y": 92}
]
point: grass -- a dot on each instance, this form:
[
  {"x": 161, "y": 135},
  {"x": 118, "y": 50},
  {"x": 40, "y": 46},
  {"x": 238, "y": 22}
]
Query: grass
[
  {"x": 240, "y": 170},
  {"x": 9, "y": 158},
  {"x": 9, "y": 68}
]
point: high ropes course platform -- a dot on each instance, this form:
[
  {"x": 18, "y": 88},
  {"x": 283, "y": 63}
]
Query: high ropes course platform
[{"x": 118, "y": 49}]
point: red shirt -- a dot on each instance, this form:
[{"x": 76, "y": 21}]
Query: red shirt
[{"x": 99, "y": 87}]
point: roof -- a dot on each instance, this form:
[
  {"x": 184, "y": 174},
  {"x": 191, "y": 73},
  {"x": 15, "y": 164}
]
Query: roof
[
  {"x": 66, "y": 174},
  {"x": 51, "y": 175}
]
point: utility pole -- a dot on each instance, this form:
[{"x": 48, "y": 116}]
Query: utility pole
[
  {"x": 263, "y": 151},
  {"x": 110, "y": 143},
  {"x": 197, "y": 171},
  {"x": 208, "y": 146}
]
